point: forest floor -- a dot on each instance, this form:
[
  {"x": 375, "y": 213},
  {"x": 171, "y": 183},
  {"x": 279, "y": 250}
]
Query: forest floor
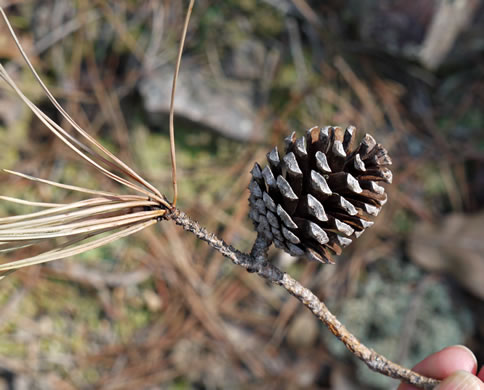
[{"x": 161, "y": 310}]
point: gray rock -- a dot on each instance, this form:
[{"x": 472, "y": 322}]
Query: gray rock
[{"x": 226, "y": 109}]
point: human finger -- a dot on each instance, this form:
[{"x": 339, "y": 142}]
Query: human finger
[
  {"x": 461, "y": 380},
  {"x": 443, "y": 363},
  {"x": 481, "y": 374}
]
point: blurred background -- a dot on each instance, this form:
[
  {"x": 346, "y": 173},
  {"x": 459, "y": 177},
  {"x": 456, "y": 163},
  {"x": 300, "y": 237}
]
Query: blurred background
[{"x": 161, "y": 310}]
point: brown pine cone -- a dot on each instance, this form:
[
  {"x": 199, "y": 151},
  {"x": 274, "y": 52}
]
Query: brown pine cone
[{"x": 321, "y": 193}]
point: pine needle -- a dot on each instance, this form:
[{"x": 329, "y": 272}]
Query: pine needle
[
  {"x": 81, "y": 225},
  {"x": 67, "y": 251},
  {"x": 68, "y": 139},
  {"x": 65, "y": 186},
  {"x": 28, "y": 202},
  {"x": 172, "y": 103}
]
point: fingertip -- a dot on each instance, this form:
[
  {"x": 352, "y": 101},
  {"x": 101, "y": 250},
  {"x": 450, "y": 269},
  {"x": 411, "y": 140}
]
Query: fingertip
[
  {"x": 461, "y": 380},
  {"x": 445, "y": 362},
  {"x": 481, "y": 374},
  {"x": 473, "y": 367},
  {"x": 450, "y": 359}
]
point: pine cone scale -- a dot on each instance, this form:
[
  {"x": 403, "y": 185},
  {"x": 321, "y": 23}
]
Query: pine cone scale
[
  {"x": 315, "y": 208},
  {"x": 286, "y": 219},
  {"x": 319, "y": 186},
  {"x": 322, "y": 163},
  {"x": 343, "y": 182}
]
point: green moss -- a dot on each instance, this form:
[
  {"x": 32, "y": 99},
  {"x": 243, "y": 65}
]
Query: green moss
[
  {"x": 15, "y": 136},
  {"x": 134, "y": 319},
  {"x": 11, "y": 348},
  {"x": 403, "y": 221},
  {"x": 91, "y": 375},
  {"x": 180, "y": 384}
]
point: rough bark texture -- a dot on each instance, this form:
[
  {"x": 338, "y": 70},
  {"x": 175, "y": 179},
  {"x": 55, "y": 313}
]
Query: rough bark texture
[
  {"x": 371, "y": 358},
  {"x": 257, "y": 262}
]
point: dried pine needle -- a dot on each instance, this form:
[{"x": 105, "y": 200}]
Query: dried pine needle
[{"x": 85, "y": 224}]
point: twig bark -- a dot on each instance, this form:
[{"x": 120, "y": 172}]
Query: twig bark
[{"x": 257, "y": 262}]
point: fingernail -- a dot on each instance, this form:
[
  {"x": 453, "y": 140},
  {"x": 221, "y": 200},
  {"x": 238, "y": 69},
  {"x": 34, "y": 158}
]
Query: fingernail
[
  {"x": 460, "y": 380},
  {"x": 468, "y": 350}
]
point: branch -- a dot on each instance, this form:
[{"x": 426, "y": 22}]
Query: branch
[{"x": 257, "y": 262}]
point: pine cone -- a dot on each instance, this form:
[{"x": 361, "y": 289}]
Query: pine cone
[{"x": 321, "y": 194}]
